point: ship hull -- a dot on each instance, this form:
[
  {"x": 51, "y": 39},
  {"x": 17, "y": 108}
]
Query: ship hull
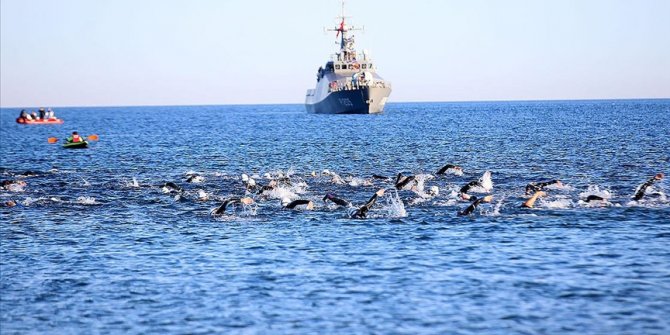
[{"x": 364, "y": 100}]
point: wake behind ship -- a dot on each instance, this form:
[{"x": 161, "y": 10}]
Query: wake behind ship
[{"x": 349, "y": 83}]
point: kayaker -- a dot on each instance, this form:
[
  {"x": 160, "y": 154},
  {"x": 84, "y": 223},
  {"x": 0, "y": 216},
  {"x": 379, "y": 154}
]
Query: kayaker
[{"x": 75, "y": 138}]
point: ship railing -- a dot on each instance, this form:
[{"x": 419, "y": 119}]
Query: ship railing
[{"x": 337, "y": 86}]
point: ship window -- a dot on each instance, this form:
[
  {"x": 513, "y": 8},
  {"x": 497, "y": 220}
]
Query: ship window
[
  {"x": 364, "y": 66},
  {"x": 337, "y": 66},
  {"x": 351, "y": 66}
]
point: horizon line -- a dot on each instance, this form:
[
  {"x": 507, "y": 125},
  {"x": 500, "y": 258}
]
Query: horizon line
[{"x": 301, "y": 103}]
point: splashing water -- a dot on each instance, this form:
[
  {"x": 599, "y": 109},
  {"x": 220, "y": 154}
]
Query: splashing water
[
  {"x": 395, "y": 208},
  {"x": 497, "y": 207},
  {"x": 282, "y": 193},
  {"x": 486, "y": 181}
]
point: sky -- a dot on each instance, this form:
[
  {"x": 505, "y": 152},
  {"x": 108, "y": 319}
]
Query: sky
[{"x": 213, "y": 52}]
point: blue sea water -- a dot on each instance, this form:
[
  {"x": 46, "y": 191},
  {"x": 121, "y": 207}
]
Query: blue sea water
[{"x": 95, "y": 244}]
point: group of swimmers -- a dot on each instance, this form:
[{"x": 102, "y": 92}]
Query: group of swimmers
[
  {"x": 44, "y": 114},
  {"x": 533, "y": 190},
  {"x": 253, "y": 191}
]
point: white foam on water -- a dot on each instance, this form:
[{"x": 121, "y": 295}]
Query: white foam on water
[
  {"x": 15, "y": 188},
  {"x": 356, "y": 181},
  {"x": 132, "y": 183},
  {"x": 282, "y": 192},
  {"x": 562, "y": 187},
  {"x": 560, "y": 203},
  {"x": 418, "y": 200},
  {"x": 84, "y": 200},
  {"x": 421, "y": 180},
  {"x": 336, "y": 179},
  {"x": 197, "y": 179},
  {"x": 29, "y": 201},
  {"x": 202, "y": 195},
  {"x": 85, "y": 182},
  {"x": 449, "y": 202}
]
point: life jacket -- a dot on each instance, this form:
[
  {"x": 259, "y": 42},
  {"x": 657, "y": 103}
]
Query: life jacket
[{"x": 76, "y": 138}]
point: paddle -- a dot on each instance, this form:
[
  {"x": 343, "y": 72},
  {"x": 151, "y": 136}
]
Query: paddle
[{"x": 92, "y": 137}]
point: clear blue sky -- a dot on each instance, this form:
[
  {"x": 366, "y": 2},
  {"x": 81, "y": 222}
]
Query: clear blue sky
[{"x": 168, "y": 52}]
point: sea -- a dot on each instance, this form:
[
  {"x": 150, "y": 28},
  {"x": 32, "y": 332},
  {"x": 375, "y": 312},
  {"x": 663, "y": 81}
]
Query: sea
[{"x": 98, "y": 244}]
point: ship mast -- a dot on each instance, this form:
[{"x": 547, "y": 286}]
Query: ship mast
[{"x": 346, "y": 44}]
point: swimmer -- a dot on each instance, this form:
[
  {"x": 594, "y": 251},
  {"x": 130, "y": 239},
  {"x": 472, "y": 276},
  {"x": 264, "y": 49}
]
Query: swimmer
[
  {"x": 450, "y": 168},
  {"x": 476, "y": 202},
  {"x": 483, "y": 182},
  {"x": 336, "y": 200},
  {"x": 232, "y": 201},
  {"x": 249, "y": 182},
  {"x": 362, "y": 212},
  {"x": 10, "y": 203},
  {"x": 293, "y": 204},
  {"x": 170, "y": 187},
  {"x": 195, "y": 178},
  {"x": 639, "y": 194},
  {"x": 269, "y": 187},
  {"x": 13, "y": 185},
  {"x": 534, "y": 187},
  {"x": 594, "y": 200},
  {"x": 402, "y": 181},
  {"x": 530, "y": 203},
  {"x": 594, "y": 197}
]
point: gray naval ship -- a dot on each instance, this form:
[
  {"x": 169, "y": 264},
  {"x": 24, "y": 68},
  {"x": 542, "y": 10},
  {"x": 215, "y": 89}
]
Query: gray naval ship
[{"x": 349, "y": 83}]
